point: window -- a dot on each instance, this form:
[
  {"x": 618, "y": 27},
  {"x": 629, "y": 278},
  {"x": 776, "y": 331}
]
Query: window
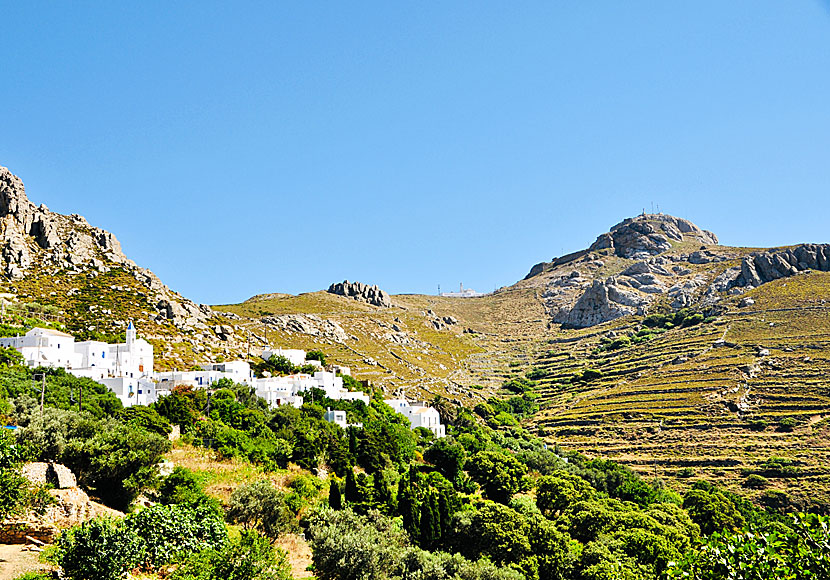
[{"x": 103, "y": 355}]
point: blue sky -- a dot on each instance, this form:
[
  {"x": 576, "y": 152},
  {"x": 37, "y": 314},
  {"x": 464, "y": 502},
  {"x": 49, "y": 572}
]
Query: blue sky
[{"x": 242, "y": 148}]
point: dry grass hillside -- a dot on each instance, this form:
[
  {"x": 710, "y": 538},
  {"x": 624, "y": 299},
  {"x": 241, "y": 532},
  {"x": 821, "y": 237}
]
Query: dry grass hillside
[{"x": 743, "y": 393}]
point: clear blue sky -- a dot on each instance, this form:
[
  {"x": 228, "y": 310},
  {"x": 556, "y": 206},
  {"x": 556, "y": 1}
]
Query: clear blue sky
[{"x": 239, "y": 148}]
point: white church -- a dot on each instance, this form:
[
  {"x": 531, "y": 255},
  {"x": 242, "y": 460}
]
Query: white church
[{"x": 124, "y": 368}]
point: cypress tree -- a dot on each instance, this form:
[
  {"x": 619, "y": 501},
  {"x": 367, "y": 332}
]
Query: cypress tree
[
  {"x": 430, "y": 526},
  {"x": 335, "y": 498},
  {"x": 352, "y": 493}
]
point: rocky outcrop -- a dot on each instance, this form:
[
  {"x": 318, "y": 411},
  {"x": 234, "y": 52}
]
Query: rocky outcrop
[
  {"x": 649, "y": 234},
  {"x": 54, "y": 474},
  {"x": 763, "y": 267},
  {"x": 362, "y": 292},
  {"x": 70, "y": 506},
  {"x": 33, "y": 238},
  {"x": 601, "y": 302},
  {"x": 309, "y": 324}
]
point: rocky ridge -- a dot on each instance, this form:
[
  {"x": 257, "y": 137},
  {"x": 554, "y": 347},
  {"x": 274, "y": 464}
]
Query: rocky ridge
[
  {"x": 33, "y": 238},
  {"x": 362, "y": 293}
]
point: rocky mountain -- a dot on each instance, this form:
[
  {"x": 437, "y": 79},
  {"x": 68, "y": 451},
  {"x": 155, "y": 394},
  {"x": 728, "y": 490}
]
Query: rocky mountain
[
  {"x": 35, "y": 238},
  {"x": 656, "y": 260}
]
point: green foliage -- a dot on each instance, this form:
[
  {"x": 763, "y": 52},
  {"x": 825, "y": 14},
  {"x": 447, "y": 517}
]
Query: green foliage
[
  {"x": 260, "y": 506},
  {"x": 23, "y": 386},
  {"x": 587, "y": 375},
  {"x": 499, "y": 474},
  {"x": 115, "y": 460},
  {"x": 182, "y": 406},
  {"x": 348, "y": 546},
  {"x": 145, "y": 418},
  {"x": 99, "y": 549},
  {"x": 755, "y": 481},
  {"x": 250, "y": 557},
  {"x": 12, "y": 484},
  {"x": 448, "y": 456},
  {"x": 169, "y": 531},
  {"x": 9, "y": 356},
  {"x": 555, "y": 493},
  {"x": 519, "y": 385},
  {"x": 712, "y": 509},
  {"x": 683, "y": 317},
  {"x": 787, "y": 424},
  {"x": 802, "y": 551},
  {"x": 182, "y": 488},
  {"x": 317, "y": 355}
]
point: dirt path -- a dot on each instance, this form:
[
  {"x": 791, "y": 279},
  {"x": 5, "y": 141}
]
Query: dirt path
[{"x": 14, "y": 561}]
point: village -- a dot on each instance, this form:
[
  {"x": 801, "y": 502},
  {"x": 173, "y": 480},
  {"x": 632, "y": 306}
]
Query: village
[{"x": 126, "y": 369}]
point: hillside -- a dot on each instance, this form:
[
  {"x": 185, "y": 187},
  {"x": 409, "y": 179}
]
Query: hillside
[{"x": 736, "y": 389}]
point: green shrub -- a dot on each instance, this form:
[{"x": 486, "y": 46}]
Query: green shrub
[
  {"x": 168, "y": 531},
  {"x": 787, "y": 424},
  {"x": 100, "y": 549},
  {"x": 755, "y": 481},
  {"x": 262, "y": 506},
  {"x": 249, "y": 557}
]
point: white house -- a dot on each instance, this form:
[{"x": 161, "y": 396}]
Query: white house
[
  {"x": 121, "y": 367},
  {"x": 239, "y": 371},
  {"x": 295, "y": 356},
  {"x": 287, "y": 389},
  {"x": 45, "y": 347},
  {"x": 132, "y": 391},
  {"x": 339, "y": 418},
  {"x": 419, "y": 415}
]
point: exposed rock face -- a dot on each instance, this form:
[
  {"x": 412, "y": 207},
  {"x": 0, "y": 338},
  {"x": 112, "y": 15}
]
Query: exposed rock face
[
  {"x": 649, "y": 234},
  {"x": 309, "y": 324},
  {"x": 601, "y": 302},
  {"x": 49, "y": 473},
  {"x": 71, "y": 507},
  {"x": 32, "y": 236},
  {"x": 764, "y": 267},
  {"x": 362, "y": 292}
]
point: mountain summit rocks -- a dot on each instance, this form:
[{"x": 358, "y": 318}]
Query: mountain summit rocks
[
  {"x": 34, "y": 240},
  {"x": 650, "y": 234},
  {"x": 362, "y": 292}
]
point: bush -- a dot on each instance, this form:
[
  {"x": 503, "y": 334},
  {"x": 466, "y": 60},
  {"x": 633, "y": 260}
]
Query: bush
[
  {"x": 12, "y": 484},
  {"x": 787, "y": 424},
  {"x": 168, "y": 531},
  {"x": 100, "y": 549},
  {"x": 250, "y": 557},
  {"x": 181, "y": 487},
  {"x": 317, "y": 355},
  {"x": 755, "y": 481},
  {"x": 262, "y": 506}
]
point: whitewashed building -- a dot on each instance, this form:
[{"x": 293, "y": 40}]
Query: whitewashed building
[
  {"x": 339, "y": 418},
  {"x": 45, "y": 347},
  {"x": 419, "y": 415},
  {"x": 120, "y": 367},
  {"x": 295, "y": 356}
]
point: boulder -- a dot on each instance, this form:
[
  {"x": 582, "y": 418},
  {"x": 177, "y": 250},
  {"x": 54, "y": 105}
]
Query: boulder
[{"x": 362, "y": 292}]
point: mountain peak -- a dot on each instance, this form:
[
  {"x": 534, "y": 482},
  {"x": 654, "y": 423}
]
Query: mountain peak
[{"x": 651, "y": 234}]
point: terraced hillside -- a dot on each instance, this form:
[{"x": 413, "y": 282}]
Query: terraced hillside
[{"x": 746, "y": 393}]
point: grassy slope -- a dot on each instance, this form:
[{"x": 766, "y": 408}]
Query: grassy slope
[
  {"x": 651, "y": 409},
  {"x": 661, "y": 417}
]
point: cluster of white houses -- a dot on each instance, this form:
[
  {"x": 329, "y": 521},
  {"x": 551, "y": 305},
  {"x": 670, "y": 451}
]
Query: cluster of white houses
[{"x": 126, "y": 369}]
